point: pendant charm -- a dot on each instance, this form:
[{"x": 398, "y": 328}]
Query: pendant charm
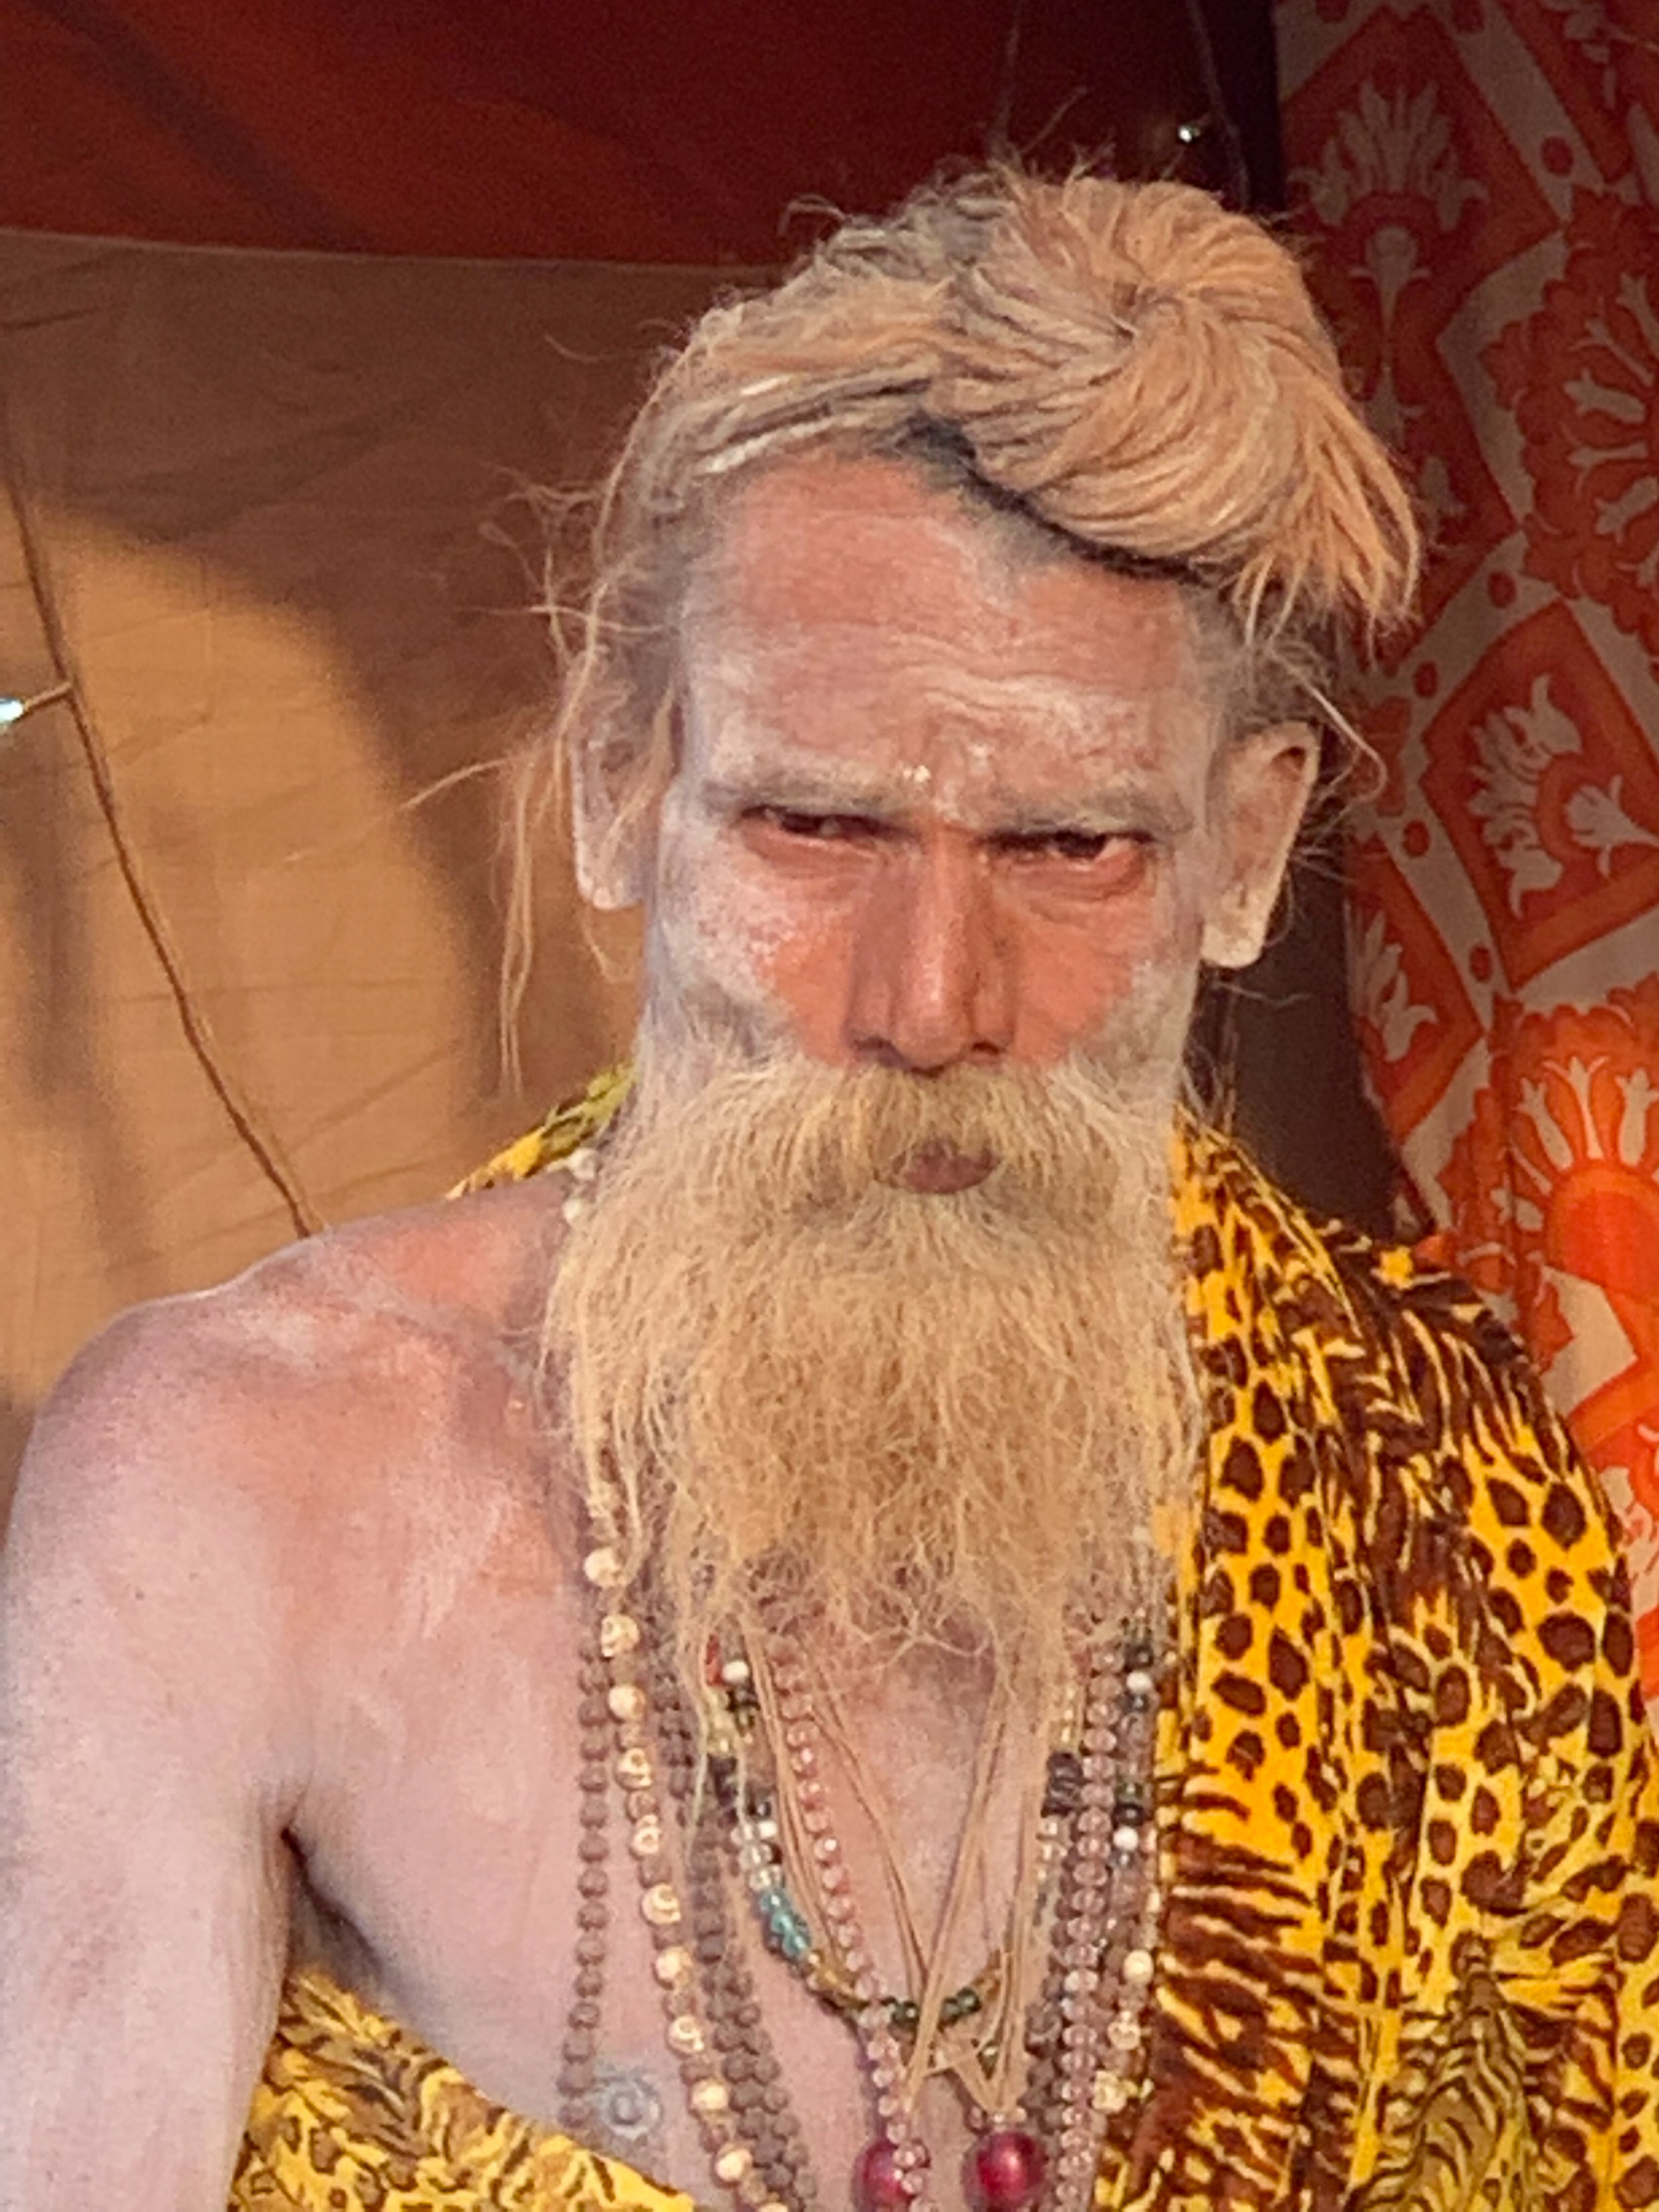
[
  {"x": 1006, "y": 2169},
  {"x": 879, "y": 2181}
]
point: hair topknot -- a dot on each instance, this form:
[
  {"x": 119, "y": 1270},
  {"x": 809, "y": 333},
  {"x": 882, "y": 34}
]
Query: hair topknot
[
  {"x": 1141, "y": 368},
  {"x": 1147, "y": 371},
  {"x": 1131, "y": 365}
]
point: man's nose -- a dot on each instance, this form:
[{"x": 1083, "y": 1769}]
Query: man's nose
[{"x": 932, "y": 980}]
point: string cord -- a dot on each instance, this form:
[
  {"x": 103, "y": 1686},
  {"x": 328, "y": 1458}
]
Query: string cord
[
  {"x": 995, "y": 2088},
  {"x": 259, "y": 1140}
]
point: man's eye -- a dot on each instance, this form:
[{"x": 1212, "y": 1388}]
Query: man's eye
[
  {"x": 816, "y": 828},
  {"x": 1076, "y": 845}
]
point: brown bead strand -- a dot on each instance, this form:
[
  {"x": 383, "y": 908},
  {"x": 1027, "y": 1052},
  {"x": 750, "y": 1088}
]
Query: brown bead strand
[
  {"x": 749, "y": 2062},
  {"x": 662, "y": 1901},
  {"x": 758, "y": 2086},
  {"x": 1046, "y": 2023},
  {"x": 710, "y": 1930},
  {"x": 580, "y": 2045},
  {"x": 1106, "y": 1919}
]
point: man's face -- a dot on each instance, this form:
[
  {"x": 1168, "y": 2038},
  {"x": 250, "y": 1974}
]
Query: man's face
[
  {"x": 944, "y": 799},
  {"x": 945, "y": 809}
]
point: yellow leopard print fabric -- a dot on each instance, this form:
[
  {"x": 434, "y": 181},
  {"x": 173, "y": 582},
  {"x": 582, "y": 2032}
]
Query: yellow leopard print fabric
[
  {"x": 353, "y": 2115},
  {"x": 567, "y": 1129},
  {"x": 1409, "y": 1818}
]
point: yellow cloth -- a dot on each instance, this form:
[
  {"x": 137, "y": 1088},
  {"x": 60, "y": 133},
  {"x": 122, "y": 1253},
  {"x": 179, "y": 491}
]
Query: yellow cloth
[
  {"x": 353, "y": 2115},
  {"x": 1407, "y": 1808}
]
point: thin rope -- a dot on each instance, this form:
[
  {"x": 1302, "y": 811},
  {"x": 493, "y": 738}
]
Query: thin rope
[
  {"x": 238, "y": 1109},
  {"x": 930, "y": 1966}
]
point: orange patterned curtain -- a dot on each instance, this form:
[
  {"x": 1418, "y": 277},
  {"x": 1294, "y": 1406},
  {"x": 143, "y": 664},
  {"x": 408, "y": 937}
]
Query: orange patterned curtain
[{"x": 1477, "y": 182}]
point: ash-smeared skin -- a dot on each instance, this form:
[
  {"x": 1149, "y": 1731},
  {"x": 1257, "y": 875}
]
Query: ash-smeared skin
[
  {"x": 886, "y": 704},
  {"x": 292, "y": 1583}
]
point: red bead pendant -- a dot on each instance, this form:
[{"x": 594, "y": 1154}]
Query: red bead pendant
[
  {"x": 1006, "y": 2169},
  {"x": 878, "y": 2179}
]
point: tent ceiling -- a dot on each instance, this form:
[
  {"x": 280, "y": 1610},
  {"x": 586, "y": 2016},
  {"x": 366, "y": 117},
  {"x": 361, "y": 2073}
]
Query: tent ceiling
[{"x": 655, "y": 131}]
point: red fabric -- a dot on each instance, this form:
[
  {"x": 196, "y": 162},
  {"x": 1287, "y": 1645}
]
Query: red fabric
[
  {"x": 657, "y": 130},
  {"x": 1479, "y": 180}
]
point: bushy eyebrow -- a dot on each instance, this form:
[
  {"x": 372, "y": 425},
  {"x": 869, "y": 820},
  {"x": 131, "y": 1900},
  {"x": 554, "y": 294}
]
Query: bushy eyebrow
[
  {"x": 1126, "y": 807},
  {"x": 1128, "y": 804},
  {"x": 802, "y": 791}
]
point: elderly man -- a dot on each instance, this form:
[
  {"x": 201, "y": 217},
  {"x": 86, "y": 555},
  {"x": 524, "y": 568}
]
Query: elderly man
[{"x": 898, "y": 1629}]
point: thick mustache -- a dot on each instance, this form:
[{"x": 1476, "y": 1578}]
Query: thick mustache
[{"x": 787, "y": 1135}]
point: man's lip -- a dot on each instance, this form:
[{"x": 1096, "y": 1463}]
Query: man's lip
[{"x": 938, "y": 1169}]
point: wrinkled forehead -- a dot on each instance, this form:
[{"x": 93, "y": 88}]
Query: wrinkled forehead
[
  {"x": 835, "y": 539},
  {"x": 856, "y": 607}
]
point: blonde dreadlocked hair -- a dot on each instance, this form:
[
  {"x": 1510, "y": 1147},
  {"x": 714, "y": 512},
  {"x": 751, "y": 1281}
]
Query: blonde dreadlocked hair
[{"x": 1135, "y": 370}]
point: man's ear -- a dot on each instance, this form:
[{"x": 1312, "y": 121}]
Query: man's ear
[
  {"x": 613, "y": 818},
  {"x": 1262, "y": 785}
]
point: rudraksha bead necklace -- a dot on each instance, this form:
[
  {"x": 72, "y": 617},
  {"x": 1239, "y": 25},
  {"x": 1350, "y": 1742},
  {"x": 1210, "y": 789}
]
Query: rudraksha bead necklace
[
  {"x": 1084, "y": 2038},
  {"x": 1087, "y": 2038}
]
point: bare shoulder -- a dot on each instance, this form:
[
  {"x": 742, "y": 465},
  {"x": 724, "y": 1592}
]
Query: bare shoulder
[
  {"x": 291, "y": 1406},
  {"x": 236, "y": 1508},
  {"x": 355, "y": 1312}
]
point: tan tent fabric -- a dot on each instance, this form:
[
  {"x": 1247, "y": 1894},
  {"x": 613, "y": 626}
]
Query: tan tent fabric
[{"x": 272, "y": 503}]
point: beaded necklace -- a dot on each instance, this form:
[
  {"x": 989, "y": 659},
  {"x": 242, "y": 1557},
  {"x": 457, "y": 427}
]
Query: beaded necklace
[
  {"x": 751, "y": 1808},
  {"x": 1097, "y": 1833},
  {"x": 711, "y": 2023},
  {"x": 1083, "y": 2040}
]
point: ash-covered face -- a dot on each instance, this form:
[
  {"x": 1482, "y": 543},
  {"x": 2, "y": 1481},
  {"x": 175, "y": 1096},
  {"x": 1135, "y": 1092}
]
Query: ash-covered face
[
  {"x": 947, "y": 798},
  {"x": 875, "y": 1295}
]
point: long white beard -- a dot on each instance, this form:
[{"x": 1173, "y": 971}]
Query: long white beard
[{"x": 885, "y": 1417}]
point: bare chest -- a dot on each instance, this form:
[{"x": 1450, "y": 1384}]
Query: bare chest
[{"x": 472, "y": 1865}]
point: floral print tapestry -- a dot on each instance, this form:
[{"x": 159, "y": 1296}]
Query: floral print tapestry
[{"x": 1477, "y": 185}]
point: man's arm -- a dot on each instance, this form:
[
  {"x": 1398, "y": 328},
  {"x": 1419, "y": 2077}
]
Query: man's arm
[{"x": 147, "y": 1762}]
